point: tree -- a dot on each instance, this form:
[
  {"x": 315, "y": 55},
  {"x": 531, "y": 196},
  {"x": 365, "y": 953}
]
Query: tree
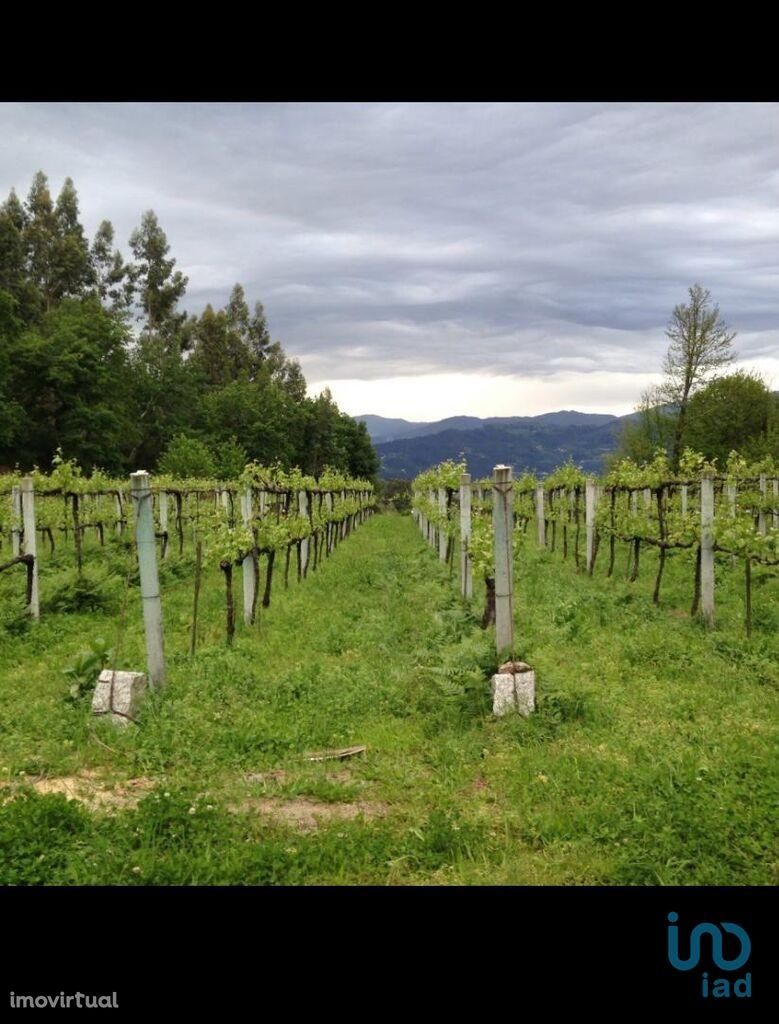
[
  {"x": 159, "y": 287},
  {"x": 69, "y": 375},
  {"x": 188, "y": 457},
  {"x": 269, "y": 425},
  {"x": 700, "y": 346},
  {"x": 361, "y": 457},
  {"x": 650, "y": 427},
  {"x": 13, "y": 274},
  {"x": 110, "y": 273},
  {"x": 290, "y": 378},
  {"x": 258, "y": 337},
  {"x": 251, "y": 329},
  {"x": 237, "y": 312},
  {"x": 13, "y": 208},
  {"x": 71, "y": 270},
  {"x": 219, "y": 352},
  {"x": 40, "y": 237},
  {"x": 11, "y": 413},
  {"x": 731, "y": 413}
]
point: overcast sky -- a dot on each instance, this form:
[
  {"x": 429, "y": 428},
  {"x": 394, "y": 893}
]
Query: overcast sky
[{"x": 426, "y": 260}]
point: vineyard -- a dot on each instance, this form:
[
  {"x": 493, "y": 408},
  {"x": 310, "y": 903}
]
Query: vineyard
[
  {"x": 707, "y": 519},
  {"x": 341, "y": 731},
  {"x": 246, "y": 523}
]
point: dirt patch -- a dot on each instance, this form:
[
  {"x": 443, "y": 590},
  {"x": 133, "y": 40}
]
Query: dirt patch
[
  {"x": 277, "y": 776},
  {"x": 281, "y": 777},
  {"x": 305, "y": 814},
  {"x": 89, "y": 788}
]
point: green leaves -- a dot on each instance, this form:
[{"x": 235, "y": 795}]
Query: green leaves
[{"x": 84, "y": 672}]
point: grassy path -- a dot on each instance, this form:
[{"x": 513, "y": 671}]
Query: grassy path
[{"x": 650, "y": 759}]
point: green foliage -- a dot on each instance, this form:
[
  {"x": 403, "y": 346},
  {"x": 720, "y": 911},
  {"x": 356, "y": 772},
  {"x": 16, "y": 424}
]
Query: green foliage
[
  {"x": 187, "y": 457},
  {"x": 38, "y": 837},
  {"x": 732, "y": 412},
  {"x": 73, "y": 376},
  {"x": 83, "y": 673},
  {"x": 93, "y": 590},
  {"x": 396, "y": 493},
  {"x": 649, "y": 759}
]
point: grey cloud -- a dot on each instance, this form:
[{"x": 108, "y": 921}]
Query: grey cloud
[{"x": 406, "y": 238}]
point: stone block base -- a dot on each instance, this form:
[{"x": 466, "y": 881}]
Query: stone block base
[
  {"x": 120, "y": 695},
  {"x": 514, "y": 689}
]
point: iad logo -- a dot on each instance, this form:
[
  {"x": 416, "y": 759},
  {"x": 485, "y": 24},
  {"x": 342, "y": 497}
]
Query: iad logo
[{"x": 720, "y": 987}]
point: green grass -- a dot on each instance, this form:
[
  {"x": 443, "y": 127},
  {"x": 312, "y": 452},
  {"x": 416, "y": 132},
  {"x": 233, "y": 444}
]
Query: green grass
[{"x": 650, "y": 759}]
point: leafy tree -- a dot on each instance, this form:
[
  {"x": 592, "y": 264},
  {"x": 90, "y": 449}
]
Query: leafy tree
[
  {"x": 237, "y": 312},
  {"x": 260, "y": 414},
  {"x": 111, "y": 276},
  {"x": 290, "y": 378},
  {"x": 158, "y": 286},
  {"x": 322, "y": 441},
  {"x": 71, "y": 270},
  {"x": 40, "y": 236},
  {"x": 165, "y": 400},
  {"x": 13, "y": 272},
  {"x": 700, "y": 346},
  {"x": 230, "y": 458},
  {"x": 731, "y": 413},
  {"x": 69, "y": 377},
  {"x": 361, "y": 457},
  {"x": 252, "y": 329},
  {"x": 14, "y": 209},
  {"x": 188, "y": 457},
  {"x": 10, "y": 411},
  {"x": 219, "y": 352},
  {"x": 258, "y": 337},
  {"x": 651, "y": 427}
]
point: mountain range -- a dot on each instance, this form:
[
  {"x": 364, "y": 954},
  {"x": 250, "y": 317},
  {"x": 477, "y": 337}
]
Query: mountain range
[{"x": 538, "y": 443}]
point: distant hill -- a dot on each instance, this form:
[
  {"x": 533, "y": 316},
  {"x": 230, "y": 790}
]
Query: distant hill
[
  {"x": 538, "y": 443},
  {"x": 383, "y": 429}
]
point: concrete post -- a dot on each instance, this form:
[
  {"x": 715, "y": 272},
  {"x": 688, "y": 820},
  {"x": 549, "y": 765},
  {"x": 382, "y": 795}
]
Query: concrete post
[
  {"x": 443, "y": 537},
  {"x": 590, "y": 506},
  {"x": 247, "y": 566},
  {"x": 540, "y": 516},
  {"x": 303, "y": 512},
  {"x": 707, "y": 549},
  {"x": 503, "y": 528},
  {"x": 31, "y": 540},
  {"x": 140, "y": 492}
]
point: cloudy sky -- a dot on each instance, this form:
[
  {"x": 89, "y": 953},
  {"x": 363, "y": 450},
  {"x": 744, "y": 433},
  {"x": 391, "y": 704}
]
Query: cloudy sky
[{"x": 426, "y": 260}]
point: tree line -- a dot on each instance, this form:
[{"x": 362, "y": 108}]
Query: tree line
[
  {"x": 699, "y": 405},
  {"x": 98, "y": 360}
]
